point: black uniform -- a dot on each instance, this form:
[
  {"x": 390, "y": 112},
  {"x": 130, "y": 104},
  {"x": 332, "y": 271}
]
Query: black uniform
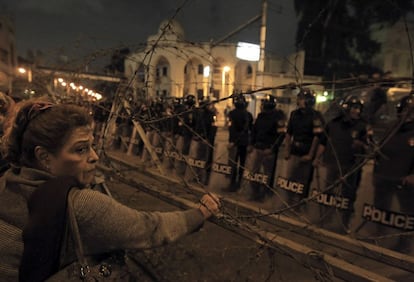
[
  {"x": 167, "y": 123},
  {"x": 123, "y": 131},
  {"x": 395, "y": 162},
  {"x": 176, "y": 120},
  {"x": 204, "y": 124},
  {"x": 205, "y": 133},
  {"x": 304, "y": 125},
  {"x": 241, "y": 122},
  {"x": 268, "y": 130},
  {"x": 344, "y": 148},
  {"x": 186, "y": 126},
  {"x": 397, "y": 155},
  {"x": 267, "y": 135},
  {"x": 183, "y": 129}
]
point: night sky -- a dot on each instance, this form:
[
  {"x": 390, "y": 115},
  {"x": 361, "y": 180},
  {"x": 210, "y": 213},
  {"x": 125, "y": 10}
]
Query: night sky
[{"x": 78, "y": 28}]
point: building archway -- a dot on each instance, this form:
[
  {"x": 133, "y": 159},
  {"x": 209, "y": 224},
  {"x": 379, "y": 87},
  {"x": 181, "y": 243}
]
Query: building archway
[
  {"x": 162, "y": 78},
  {"x": 193, "y": 78}
]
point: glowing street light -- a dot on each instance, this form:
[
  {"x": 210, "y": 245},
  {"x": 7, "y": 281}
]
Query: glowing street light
[
  {"x": 226, "y": 69},
  {"x": 248, "y": 51},
  {"x": 206, "y": 71},
  {"x": 22, "y": 70}
]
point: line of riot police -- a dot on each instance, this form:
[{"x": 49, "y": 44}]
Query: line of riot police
[
  {"x": 180, "y": 132},
  {"x": 319, "y": 169}
]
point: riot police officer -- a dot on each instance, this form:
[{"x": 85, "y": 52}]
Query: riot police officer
[
  {"x": 205, "y": 133},
  {"x": 185, "y": 131},
  {"x": 157, "y": 111},
  {"x": 204, "y": 121},
  {"x": 394, "y": 171},
  {"x": 178, "y": 107},
  {"x": 267, "y": 135},
  {"x": 167, "y": 123},
  {"x": 240, "y": 122},
  {"x": 304, "y": 127},
  {"x": 341, "y": 150},
  {"x": 187, "y": 122}
]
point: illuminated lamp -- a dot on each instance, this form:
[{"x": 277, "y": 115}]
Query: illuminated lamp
[{"x": 248, "y": 51}]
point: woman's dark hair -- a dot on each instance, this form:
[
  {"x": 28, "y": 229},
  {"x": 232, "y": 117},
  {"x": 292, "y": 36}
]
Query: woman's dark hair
[{"x": 37, "y": 122}]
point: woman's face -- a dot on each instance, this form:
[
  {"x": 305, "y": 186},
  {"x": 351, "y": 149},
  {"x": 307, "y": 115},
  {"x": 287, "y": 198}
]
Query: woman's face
[{"x": 77, "y": 157}]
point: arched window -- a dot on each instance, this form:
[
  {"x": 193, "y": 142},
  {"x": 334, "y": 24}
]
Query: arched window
[
  {"x": 141, "y": 73},
  {"x": 200, "y": 69}
]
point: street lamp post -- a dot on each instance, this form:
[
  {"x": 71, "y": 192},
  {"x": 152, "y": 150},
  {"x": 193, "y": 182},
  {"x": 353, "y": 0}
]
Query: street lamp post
[
  {"x": 224, "y": 80},
  {"x": 207, "y": 82},
  {"x": 261, "y": 63},
  {"x": 28, "y": 71}
]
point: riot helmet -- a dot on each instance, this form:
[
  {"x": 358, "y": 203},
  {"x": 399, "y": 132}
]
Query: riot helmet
[
  {"x": 158, "y": 105},
  {"x": 177, "y": 101},
  {"x": 269, "y": 102},
  {"x": 178, "y": 104},
  {"x": 240, "y": 102},
  {"x": 308, "y": 96},
  {"x": 353, "y": 106},
  {"x": 405, "y": 104},
  {"x": 352, "y": 101},
  {"x": 189, "y": 100},
  {"x": 204, "y": 101}
]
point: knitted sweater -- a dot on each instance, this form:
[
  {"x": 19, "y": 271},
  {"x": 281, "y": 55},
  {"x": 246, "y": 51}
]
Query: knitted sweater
[{"x": 104, "y": 224}]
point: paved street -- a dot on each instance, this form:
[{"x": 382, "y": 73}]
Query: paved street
[
  {"x": 296, "y": 247},
  {"x": 212, "y": 254}
]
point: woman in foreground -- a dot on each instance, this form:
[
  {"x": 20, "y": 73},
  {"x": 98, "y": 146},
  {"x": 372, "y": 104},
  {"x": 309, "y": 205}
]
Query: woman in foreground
[{"x": 50, "y": 149}]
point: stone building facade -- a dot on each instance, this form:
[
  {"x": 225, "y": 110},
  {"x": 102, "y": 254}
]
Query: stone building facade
[{"x": 170, "y": 66}]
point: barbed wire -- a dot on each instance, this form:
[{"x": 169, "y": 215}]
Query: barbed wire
[{"x": 347, "y": 84}]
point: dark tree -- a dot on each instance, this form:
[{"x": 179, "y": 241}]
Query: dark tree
[{"x": 336, "y": 34}]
